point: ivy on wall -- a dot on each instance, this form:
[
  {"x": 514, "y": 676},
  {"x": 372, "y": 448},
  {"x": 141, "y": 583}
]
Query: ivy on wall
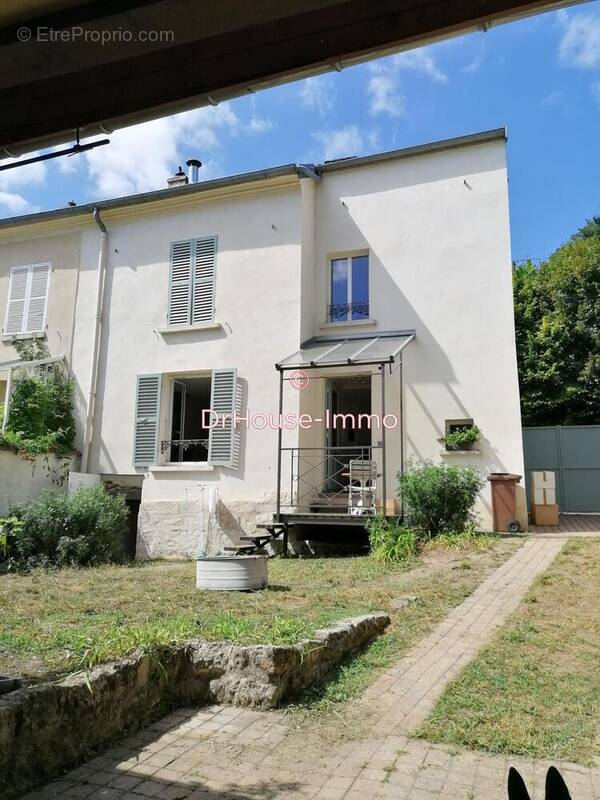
[{"x": 41, "y": 407}]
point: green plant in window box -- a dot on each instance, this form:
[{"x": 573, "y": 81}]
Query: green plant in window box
[{"x": 463, "y": 438}]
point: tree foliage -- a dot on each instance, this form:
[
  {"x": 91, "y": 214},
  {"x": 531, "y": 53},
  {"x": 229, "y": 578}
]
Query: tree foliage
[{"x": 557, "y": 319}]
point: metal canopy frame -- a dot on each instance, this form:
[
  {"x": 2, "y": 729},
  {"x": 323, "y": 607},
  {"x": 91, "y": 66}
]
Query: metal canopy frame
[
  {"x": 349, "y": 351},
  {"x": 356, "y": 350}
]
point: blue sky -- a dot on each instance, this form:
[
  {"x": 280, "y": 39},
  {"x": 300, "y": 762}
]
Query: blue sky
[{"x": 539, "y": 76}]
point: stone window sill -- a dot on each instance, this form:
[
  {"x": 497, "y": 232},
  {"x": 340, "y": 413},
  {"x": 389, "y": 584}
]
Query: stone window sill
[
  {"x": 190, "y": 466},
  {"x": 201, "y": 326},
  {"x": 11, "y": 337},
  {"x": 348, "y": 323},
  {"x": 460, "y": 452}
]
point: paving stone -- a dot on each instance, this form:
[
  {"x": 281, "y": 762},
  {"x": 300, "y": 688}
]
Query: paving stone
[{"x": 223, "y": 752}]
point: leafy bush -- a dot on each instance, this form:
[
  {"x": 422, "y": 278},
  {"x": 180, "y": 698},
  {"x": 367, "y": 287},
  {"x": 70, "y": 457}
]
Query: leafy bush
[
  {"x": 390, "y": 542},
  {"x": 40, "y": 415},
  {"x": 79, "y": 529},
  {"x": 439, "y": 498},
  {"x": 469, "y": 539}
]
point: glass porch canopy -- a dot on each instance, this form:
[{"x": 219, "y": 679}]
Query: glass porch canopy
[{"x": 343, "y": 350}]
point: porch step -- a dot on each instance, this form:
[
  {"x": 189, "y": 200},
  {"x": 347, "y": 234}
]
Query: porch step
[
  {"x": 244, "y": 549},
  {"x": 259, "y": 540}
]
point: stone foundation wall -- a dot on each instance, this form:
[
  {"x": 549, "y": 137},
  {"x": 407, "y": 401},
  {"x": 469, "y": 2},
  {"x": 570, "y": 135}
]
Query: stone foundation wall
[
  {"x": 183, "y": 529},
  {"x": 48, "y": 728}
]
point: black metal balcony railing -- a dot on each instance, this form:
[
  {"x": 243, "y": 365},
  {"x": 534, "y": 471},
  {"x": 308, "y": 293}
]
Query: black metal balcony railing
[
  {"x": 340, "y": 312},
  {"x": 319, "y": 476},
  {"x": 185, "y": 449}
]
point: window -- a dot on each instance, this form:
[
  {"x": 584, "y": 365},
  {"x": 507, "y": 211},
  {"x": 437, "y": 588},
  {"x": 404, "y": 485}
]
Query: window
[
  {"x": 189, "y": 438},
  {"x": 27, "y": 299},
  {"x": 192, "y": 281},
  {"x": 349, "y": 289},
  {"x": 188, "y": 432}
]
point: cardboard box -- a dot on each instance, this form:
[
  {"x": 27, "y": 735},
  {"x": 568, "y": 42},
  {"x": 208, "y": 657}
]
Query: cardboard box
[
  {"x": 544, "y": 514},
  {"x": 543, "y": 488}
]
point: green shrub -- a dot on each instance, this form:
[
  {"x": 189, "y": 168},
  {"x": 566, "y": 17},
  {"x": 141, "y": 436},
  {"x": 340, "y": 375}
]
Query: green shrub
[
  {"x": 439, "y": 498},
  {"x": 391, "y": 542},
  {"x": 79, "y": 529},
  {"x": 40, "y": 414}
]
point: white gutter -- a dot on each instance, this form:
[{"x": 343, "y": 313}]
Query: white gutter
[
  {"x": 7, "y": 399},
  {"x": 91, "y": 403}
]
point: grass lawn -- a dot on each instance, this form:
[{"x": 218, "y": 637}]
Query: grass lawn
[
  {"x": 60, "y": 621},
  {"x": 535, "y": 690}
]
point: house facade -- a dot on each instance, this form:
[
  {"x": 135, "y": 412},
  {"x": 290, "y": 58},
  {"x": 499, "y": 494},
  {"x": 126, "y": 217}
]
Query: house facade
[{"x": 365, "y": 286}]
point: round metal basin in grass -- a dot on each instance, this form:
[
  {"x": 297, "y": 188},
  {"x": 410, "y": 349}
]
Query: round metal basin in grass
[{"x": 231, "y": 573}]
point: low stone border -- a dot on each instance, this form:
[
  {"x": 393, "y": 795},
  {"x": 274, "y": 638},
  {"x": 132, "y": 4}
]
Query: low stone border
[{"x": 50, "y": 727}]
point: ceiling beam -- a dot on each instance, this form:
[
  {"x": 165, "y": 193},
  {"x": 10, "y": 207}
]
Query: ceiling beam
[{"x": 220, "y": 49}]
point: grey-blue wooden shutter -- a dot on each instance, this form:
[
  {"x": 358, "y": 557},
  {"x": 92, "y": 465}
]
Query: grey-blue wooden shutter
[
  {"x": 203, "y": 300},
  {"x": 180, "y": 283},
  {"x": 147, "y": 420},
  {"x": 222, "y": 449}
]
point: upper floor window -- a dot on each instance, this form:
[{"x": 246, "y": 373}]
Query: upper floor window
[
  {"x": 349, "y": 289},
  {"x": 27, "y": 299},
  {"x": 192, "y": 281}
]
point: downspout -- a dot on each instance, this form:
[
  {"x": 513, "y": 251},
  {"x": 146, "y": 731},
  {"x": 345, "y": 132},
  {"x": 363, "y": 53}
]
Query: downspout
[
  {"x": 91, "y": 403},
  {"x": 7, "y": 399}
]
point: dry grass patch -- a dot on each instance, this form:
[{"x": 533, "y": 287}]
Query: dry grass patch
[
  {"x": 61, "y": 621},
  {"x": 535, "y": 690}
]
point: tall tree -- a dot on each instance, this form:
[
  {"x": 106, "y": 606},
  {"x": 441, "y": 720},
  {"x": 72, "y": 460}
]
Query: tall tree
[{"x": 557, "y": 318}]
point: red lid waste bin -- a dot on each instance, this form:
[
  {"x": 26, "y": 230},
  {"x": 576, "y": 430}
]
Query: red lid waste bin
[{"x": 504, "y": 501}]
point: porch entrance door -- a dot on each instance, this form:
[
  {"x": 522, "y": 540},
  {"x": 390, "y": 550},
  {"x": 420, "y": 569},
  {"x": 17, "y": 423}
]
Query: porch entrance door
[{"x": 348, "y": 395}]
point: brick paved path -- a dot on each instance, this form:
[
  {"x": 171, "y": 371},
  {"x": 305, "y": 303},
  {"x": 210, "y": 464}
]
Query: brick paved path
[{"x": 233, "y": 753}]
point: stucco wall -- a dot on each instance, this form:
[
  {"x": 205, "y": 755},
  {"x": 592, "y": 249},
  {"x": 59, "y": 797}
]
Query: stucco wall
[
  {"x": 62, "y": 251},
  {"x": 257, "y": 304},
  {"x": 437, "y": 230},
  {"x": 24, "y": 479}
]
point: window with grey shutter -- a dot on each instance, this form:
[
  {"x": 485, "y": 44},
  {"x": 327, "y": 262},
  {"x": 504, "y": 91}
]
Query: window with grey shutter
[
  {"x": 203, "y": 301},
  {"x": 223, "y": 438},
  {"x": 27, "y": 299},
  {"x": 147, "y": 420},
  {"x": 180, "y": 283},
  {"x": 192, "y": 281}
]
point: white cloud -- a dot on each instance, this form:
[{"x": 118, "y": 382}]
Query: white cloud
[
  {"x": 30, "y": 175},
  {"x": 422, "y": 61},
  {"x": 475, "y": 63},
  {"x": 580, "y": 42},
  {"x": 15, "y": 204},
  {"x": 142, "y": 157},
  {"x": 317, "y": 93},
  {"x": 384, "y": 87},
  {"x": 385, "y": 95},
  {"x": 552, "y": 98},
  {"x": 348, "y": 141},
  {"x": 259, "y": 124}
]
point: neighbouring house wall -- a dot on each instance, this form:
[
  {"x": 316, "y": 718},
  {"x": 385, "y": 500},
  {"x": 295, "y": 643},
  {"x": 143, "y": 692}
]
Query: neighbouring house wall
[
  {"x": 62, "y": 252},
  {"x": 437, "y": 230},
  {"x": 258, "y": 277},
  {"x": 22, "y": 479}
]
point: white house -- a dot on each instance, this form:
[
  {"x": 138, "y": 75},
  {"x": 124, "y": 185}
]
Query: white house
[{"x": 363, "y": 285}]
